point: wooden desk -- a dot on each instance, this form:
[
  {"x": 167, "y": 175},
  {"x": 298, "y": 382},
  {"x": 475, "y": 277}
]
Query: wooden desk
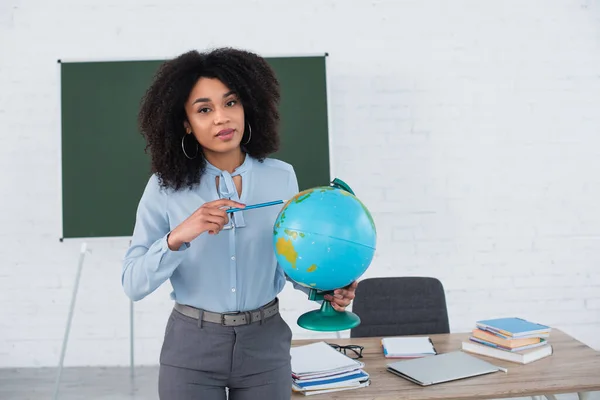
[{"x": 574, "y": 367}]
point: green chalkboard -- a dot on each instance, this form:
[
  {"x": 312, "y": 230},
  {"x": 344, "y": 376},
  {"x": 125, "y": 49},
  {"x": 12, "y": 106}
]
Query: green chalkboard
[{"x": 104, "y": 165}]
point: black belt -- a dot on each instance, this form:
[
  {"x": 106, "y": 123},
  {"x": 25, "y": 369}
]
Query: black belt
[{"x": 231, "y": 318}]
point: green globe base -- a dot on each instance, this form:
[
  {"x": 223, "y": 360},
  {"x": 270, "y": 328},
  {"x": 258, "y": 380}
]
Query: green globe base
[{"x": 327, "y": 319}]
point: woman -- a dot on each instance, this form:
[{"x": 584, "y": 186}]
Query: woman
[{"x": 210, "y": 122}]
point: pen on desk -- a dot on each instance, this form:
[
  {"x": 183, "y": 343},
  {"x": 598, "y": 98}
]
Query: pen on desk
[{"x": 259, "y": 205}]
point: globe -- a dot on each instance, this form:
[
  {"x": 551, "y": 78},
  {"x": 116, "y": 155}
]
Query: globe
[{"x": 324, "y": 238}]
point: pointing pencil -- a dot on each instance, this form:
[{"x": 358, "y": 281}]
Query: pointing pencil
[{"x": 259, "y": 205}]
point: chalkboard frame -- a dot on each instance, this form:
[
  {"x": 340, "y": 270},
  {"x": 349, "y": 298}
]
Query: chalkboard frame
[{"x": 65, "y": 234}]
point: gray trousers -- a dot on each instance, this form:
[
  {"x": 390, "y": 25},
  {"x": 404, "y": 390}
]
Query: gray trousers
[{"x": 199, "y": 361}]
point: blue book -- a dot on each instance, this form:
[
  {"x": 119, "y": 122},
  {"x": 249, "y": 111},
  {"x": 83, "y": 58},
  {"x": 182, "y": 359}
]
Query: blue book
[
  {"x": 358, "y": 376},
  {"x": 514, "y": 327}
]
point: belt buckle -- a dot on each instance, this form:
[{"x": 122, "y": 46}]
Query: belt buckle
[{"x": 223, "y": 315}]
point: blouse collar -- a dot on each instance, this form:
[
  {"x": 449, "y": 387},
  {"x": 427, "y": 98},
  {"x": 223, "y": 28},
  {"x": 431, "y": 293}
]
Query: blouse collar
[{"x": 226, "y": 188}]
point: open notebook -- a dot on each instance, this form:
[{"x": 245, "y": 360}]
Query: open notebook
[{"x": 441, "y": 368}]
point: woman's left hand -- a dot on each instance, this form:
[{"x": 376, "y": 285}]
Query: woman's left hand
[{"x": 342, "y": 297}]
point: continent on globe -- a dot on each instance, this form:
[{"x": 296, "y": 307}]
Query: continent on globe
[{"x": 324, "y": 238}]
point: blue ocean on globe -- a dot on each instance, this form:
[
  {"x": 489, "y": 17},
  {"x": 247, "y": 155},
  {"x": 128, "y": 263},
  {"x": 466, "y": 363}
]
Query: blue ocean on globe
[{"x": 324, "y": 238}]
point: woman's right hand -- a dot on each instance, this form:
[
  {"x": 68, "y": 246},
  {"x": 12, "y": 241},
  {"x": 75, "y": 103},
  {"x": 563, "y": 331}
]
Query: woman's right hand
[{"x": 210, "y": 217}]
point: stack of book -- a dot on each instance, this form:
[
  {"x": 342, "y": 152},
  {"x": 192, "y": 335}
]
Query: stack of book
[
  {"x": 318, "y": 368},
  {"x": 511, "y": 339}
]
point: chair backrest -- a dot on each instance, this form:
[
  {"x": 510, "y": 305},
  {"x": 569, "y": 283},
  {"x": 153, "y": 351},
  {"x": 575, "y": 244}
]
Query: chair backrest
[{"x": 397, "y": 306}]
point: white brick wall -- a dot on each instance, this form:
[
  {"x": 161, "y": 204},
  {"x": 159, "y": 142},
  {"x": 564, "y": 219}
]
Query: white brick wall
[{"x": 470, "y": 129}]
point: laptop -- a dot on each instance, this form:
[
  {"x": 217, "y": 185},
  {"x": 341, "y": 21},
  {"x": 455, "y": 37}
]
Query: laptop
[{"x": 441, "y": 368}]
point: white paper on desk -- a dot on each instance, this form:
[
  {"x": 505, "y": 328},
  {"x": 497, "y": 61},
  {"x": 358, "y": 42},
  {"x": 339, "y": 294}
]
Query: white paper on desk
[
  {"x": 319, "y": 357},
  {"x": 407, "y": 346}
]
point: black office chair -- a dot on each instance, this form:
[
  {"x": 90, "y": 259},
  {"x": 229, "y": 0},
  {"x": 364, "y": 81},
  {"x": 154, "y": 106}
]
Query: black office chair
[{"x": 398, "y": 306}]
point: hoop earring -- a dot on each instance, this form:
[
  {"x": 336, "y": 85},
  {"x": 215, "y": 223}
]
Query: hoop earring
[
  {"x": 183, "y": 148},
  {"x": 249, "y": 135}
]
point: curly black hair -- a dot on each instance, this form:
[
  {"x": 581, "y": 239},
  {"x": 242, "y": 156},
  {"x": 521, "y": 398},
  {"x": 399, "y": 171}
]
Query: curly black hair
[{"x": 162, "y": 114}]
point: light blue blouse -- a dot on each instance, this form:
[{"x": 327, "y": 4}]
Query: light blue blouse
[{"x": 235, "y": 270}]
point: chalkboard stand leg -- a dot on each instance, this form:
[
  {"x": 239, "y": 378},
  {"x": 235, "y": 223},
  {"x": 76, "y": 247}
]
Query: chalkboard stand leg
[
  {"x": 131, "y": 339},
  {"x": 69, "y": 319},
  {"x": 131, "y": 345}
]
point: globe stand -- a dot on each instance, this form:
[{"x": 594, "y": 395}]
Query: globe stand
[
  {"x": 327, "y": 319},
  {"x": 340, "y": 184}
]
